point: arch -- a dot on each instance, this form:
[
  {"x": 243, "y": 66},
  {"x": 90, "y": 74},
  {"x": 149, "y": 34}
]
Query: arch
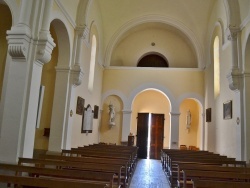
[
  {"x": 15, "y": 11},
  {"x": 152, "y": 86},
  {"x": 245, "y": 48},
  {"x": 160, "y": 19},
  {"x": 82, "y": 12},
  {"x": 200, "y": 100},
  {"x": 232, "y": 10},
  {"x": 114, "y": 92},
  {"x": 63, "y": 43}
]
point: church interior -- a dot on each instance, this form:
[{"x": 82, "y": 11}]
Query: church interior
[{"x": 144, "y": 77}]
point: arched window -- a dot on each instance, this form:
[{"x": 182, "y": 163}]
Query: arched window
[
  {"x": 92, "y": 64},
  {"x": 216, "y": 67},
  {"x": 152, "y": 60}
]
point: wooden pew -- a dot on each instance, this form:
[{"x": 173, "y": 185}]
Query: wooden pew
[
  {"x": 207, "y": 167},
  {"x": 87, "y": 176},
  {"x": 219, "y": 184},
  {"x": 126, "y": 173},
  {"x": 212, "y": 175},
  {"x": 166, "y": 152},
  {"x": 48, "y": 182},
  {"x": 74, "y": 166}
]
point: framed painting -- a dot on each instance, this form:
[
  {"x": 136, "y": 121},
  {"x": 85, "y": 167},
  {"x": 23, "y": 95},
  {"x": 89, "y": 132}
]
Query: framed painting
[
  {"x": 208, "y": 115},
  {"x": 80, "y": 105},
  {"x": 227, "y": 110}
]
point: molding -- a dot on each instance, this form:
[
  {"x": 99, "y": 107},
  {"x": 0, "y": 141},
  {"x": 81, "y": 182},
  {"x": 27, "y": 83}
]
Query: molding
[
  {"x": 152, "y": 68},
  {"x": 127, "y": 111},
  {"x": 65, "y": 13},
  {"x": 174, "y": 113}
]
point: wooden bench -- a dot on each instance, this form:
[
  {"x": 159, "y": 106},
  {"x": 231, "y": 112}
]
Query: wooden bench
[
  {"x": 69, "y": 165},
  {"x": 219, "y": 184},
  {"x": 206, "y": 167},
  {"x": 48, "y": 182},
  {"x": 213, "y": 175},
  {"x": 99, "y": 178},
  {"x": 126, "y": 171}
]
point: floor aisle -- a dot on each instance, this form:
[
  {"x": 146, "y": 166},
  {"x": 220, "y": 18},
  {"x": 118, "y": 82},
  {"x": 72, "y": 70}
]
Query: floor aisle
[{"x": 149, "y": 174}]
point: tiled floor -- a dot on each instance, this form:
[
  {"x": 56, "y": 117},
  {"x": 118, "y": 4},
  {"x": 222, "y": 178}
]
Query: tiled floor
[{"x": 149, "y": 174}]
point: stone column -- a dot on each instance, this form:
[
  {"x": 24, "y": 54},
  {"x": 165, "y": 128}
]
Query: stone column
[
  {"x": 22, "y": 89},
  {"x": 174, "y": 130},
  {"x": 234, "y": 74}
]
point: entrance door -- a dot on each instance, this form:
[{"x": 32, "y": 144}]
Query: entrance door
[
  {"x": 157, "y": 135},
  {"x": 142, "y": 134}
]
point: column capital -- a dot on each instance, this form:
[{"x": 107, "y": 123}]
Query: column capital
[
  {"x": 77, "y": 75},
  {"x": 232, "y": 32},
  {"x": 126, "y": 111},
  {"x": 19, "y": 38},
  {"x": 174, "y": 113},
  {"x": 83, "y": 32},
  {"x": 233, "y": 78},
  {"x": 45, "y": 45}
]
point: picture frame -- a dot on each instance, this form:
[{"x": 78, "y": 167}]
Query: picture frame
[
  {"x": 208, "y": 115},
  {"x": 228, "y": 110},
  {"x": 80, "y": 105}
]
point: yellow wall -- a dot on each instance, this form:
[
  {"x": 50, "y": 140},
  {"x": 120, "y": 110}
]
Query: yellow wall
[
  {"x": 126, "y": 80},
  {"x": 189, "y": 137}
]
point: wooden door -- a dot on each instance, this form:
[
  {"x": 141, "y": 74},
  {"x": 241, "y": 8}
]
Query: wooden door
[
  {"x": 142, "y": 134},
  {"x": 157, "y": 135}
]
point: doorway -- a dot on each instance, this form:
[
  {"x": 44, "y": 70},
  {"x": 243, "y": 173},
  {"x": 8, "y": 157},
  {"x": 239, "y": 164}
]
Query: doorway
[{"x": 150, "y": 135}]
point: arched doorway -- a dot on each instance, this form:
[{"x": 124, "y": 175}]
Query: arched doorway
[{"x": 150, "y": 122}]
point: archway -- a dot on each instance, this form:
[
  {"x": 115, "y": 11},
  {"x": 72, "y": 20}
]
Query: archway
[
  {"x": 155, "y": 104},
  {"x": 189, "y": 125}
]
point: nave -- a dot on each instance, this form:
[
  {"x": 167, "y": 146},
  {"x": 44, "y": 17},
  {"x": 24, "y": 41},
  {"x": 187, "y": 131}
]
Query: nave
[{"x": 149, "y": 174}]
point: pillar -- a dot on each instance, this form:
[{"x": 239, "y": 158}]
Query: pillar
[{"x": 174, "y": 130}]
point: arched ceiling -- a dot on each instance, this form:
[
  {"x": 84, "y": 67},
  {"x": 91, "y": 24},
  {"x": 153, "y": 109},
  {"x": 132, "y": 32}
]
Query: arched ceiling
[{"x": 193, "y": 14}]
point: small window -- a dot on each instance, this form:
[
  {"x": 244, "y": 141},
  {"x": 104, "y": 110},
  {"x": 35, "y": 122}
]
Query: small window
[
  {"x": 216, "y": 67},
  {"x": 92, "y": 64}
]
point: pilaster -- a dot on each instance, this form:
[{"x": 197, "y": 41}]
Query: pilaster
[
  {"x": 234, "y": 74},
  {"x": 174, "y": 130},
  {"x": 126, "y": 121}
]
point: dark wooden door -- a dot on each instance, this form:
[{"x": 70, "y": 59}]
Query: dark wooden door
[
  {"x": 157, "y": 135},
  {"x": 142, "y": 134}
]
